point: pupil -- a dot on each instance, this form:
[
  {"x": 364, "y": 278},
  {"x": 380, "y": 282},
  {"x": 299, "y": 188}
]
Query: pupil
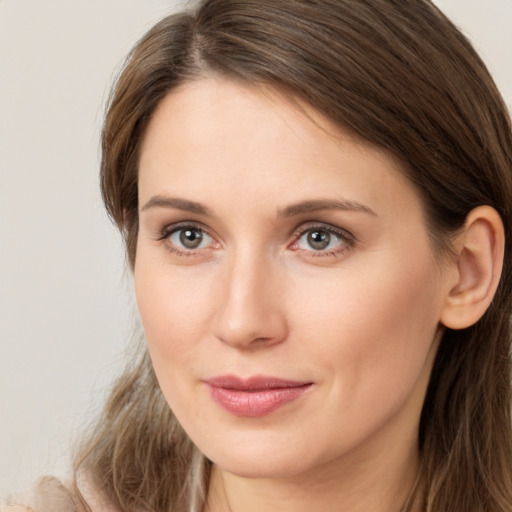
[
  {"x": 191, "y": 238},
  {"x": 319, "y": 239}
]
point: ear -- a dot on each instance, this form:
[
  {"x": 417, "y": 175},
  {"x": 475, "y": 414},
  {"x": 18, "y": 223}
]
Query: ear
[{"x": 480, "y": 251}]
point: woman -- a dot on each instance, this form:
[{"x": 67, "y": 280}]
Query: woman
[{"x": 315, "y": 199}]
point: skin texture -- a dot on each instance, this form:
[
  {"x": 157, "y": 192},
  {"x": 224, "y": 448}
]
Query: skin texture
[{"x": 360, "y": 320}]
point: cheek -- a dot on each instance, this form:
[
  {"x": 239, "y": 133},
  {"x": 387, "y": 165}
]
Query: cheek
[
  {"x": 168, "y": 320},
  {"x": 174, "y": 306},
  {"x": 374, "y": 328}
]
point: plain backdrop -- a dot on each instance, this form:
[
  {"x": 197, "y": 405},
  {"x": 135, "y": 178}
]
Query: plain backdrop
[{"x": 66, "y": 304}]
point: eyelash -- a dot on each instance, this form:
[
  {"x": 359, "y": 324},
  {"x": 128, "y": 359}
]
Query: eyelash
[
  {"x": 346, "y": 239},
  {"x": 168, "y": 231}
]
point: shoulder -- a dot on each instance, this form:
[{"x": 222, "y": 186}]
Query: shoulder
[{"x": 49, "y": 494}]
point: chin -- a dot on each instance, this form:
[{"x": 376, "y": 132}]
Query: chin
[
  {"x": 261, "y": 467},
  {"x": 254, "y": 460}
]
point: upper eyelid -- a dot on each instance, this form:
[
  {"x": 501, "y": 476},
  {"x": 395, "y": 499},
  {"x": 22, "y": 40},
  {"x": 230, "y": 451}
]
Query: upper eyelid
[
  {"x": 305, "y": 227},
  {"x": 172, "y": 228},
  {"x": 299, "y": 231}
]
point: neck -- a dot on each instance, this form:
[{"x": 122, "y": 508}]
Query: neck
[{"x": 376, "y": 484}]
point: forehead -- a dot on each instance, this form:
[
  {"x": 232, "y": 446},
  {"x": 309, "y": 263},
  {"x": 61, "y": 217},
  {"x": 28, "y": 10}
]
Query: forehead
[
  {"x": 249, "y": 141},
  {"x": 216, "y": 107}
]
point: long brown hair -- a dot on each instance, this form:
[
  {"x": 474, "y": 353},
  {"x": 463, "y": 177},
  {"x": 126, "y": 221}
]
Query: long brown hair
[{"x": 396, "y": 73}]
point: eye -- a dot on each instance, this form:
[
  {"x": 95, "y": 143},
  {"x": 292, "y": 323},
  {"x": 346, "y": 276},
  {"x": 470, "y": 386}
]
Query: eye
[
  {"x": 189, "y": 238},
  {"x": 186, "y": 239},
  {"x": 323, "y": 240},
  {"x": 318, "y": 240}
]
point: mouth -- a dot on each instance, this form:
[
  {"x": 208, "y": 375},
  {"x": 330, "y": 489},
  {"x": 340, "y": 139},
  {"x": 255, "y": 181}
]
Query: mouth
[{"x": 256, "y": 396}]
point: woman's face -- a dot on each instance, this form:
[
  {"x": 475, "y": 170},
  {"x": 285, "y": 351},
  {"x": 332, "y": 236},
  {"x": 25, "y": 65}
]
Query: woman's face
[{"x": 286, "y": 283}]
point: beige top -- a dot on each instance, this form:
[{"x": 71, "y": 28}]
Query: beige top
[{"x": 49, "y": 494}]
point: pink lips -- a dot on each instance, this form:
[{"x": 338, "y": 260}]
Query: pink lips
[{"x": 256, "y": 396}]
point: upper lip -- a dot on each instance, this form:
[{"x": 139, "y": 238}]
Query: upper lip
[{"x": 255, "y": 383}]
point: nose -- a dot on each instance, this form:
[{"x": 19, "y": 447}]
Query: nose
[{"x": 250, "y": 311}]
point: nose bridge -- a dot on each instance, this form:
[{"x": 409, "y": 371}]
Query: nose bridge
[{"x": 249, "y": 310}]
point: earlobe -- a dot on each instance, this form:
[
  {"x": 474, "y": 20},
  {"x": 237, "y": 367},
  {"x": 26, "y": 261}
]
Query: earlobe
[{"x": 480, "y": 251}]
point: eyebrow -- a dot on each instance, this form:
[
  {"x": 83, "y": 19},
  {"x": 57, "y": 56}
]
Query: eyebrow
[
  {"x": 316, "y": 205},
  {"x": 177, "y": 203},
  {"x": 308, "y": 206}
]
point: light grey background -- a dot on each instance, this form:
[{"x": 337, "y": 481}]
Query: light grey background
[{"x": 65, "y": 301}]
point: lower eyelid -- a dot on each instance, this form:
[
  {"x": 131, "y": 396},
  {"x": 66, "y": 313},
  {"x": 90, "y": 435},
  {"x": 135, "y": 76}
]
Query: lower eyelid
[{"x": 183, "y": 252}]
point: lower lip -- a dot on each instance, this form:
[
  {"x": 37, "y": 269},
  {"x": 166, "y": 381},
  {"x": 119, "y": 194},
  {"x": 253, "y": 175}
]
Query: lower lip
[{"x": 255, "y": 403}]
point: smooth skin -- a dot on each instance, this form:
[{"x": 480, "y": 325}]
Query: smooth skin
[{"x": 273, "y": 243}]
